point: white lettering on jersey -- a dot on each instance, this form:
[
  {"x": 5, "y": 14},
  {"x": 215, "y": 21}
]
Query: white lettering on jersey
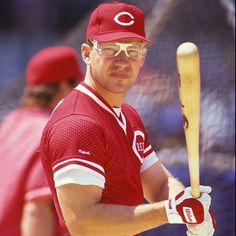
[
  {"x": 140, "y": 146},
  {"x": 116, "y": 19},
  {"x": 84, "y": 152}
]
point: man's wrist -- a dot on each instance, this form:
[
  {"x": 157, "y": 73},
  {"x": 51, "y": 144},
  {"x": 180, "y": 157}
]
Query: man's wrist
[{"x": 171, "y": 213}]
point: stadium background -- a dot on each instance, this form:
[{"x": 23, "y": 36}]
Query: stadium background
[{"x": 29, "y": 25}]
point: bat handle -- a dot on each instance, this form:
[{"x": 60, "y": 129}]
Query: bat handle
[
  {"x": 194, "y": 174},
  {"x": 195, "y": 191}
]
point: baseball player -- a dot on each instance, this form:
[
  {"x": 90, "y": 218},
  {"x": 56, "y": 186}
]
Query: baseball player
[
  {"x": 95, "y": 149},
  {"x": 26, "y": 206}
]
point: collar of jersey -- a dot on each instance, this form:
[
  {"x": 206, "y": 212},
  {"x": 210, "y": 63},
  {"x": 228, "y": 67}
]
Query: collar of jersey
[
  {"x": 86, "y": 89},
  {"x": 117, "y": 110}
]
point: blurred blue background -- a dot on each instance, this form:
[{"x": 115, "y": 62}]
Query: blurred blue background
[{"x": 26, "y": 26}]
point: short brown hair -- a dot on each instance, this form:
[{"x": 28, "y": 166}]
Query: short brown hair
[{"x": 42, "y": 95}]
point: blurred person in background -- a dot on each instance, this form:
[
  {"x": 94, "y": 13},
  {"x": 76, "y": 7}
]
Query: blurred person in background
[
  {"x": 96, "y": 151},
  {"x": 26, "y": 206}
]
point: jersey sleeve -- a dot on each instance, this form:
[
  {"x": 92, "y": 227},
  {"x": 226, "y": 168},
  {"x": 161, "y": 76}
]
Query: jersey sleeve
[
  {"x": 77, "y": 149},
  {"x": 36, "y": 187},
  {"x": 150, "y": 157}
]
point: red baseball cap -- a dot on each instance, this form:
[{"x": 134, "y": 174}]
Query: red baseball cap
[
  {"x": 114, "y": 21},
  {"x": 52, "y": 65}
]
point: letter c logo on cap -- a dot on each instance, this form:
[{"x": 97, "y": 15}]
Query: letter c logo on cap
[{"x": 116, "y": 18}]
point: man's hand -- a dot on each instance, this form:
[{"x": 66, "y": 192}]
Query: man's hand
[
  {"x": 186, "y": 209},
  {"x": 206, "y": 228}
]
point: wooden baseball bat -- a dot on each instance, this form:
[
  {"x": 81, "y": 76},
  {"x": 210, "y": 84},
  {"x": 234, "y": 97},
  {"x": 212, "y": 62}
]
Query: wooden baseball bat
[{"x": 188, "y": 65}]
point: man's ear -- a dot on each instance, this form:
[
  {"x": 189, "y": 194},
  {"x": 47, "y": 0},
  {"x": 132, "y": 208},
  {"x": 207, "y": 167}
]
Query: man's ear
[
  {"x": 87, "y": 60},
  {"x": 85, "y": 52}
]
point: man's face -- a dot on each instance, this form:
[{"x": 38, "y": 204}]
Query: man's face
[{"x": 115, "y": 65}]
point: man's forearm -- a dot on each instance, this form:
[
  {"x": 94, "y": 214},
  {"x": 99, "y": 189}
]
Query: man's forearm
[
  {"x": 38, "y": 218},
  {"x": 175, "y": 187},
  {"x": 170, "y": 189},
  {"x": 103, "y": 219}
]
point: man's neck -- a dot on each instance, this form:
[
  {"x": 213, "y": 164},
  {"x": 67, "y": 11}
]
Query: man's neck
[{"x": 113, "y": 99}]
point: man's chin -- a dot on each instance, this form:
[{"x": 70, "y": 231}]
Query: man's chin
[{"x": 121, "y": 87}]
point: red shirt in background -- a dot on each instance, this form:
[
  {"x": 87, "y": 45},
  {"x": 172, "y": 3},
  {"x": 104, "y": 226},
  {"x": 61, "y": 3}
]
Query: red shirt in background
[{"x": 22, "y": 177}]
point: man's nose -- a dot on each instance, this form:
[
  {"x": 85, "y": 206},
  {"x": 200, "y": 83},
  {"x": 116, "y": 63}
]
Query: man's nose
[{"x": 122, "y": 58}]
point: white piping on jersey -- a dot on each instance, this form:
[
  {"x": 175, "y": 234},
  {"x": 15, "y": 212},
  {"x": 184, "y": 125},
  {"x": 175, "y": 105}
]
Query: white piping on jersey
[
  {"x": 136, "y": 133},
  {"x": 84, "y": 90},
  {"x": 149, "y": 161},
  {"x": 147, "y": 149},
  {"x": 81, "y": 160},
  {"x": 117, "y": 110},
  {"x": 58, "y": 104},
  {"x": 124, "y": 121},
  {"x": 75, "y": 173}
]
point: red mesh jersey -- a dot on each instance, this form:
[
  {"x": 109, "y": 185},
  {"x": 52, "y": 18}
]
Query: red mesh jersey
[{"x": 87, "y": 142}]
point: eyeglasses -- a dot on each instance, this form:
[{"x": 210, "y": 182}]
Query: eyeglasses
[{"x": 109, "y": 50}]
